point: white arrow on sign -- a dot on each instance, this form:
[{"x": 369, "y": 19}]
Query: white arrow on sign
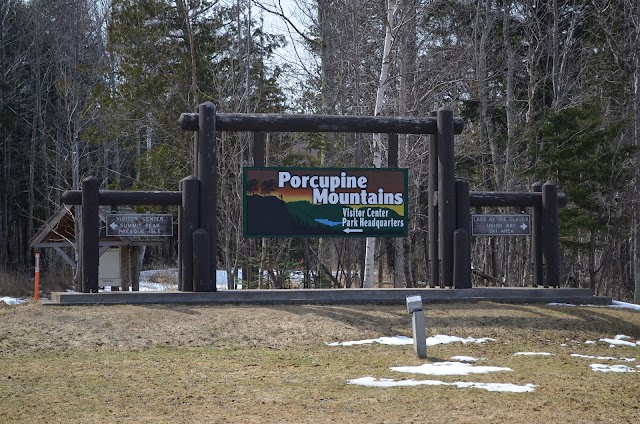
[
  {"x": 353, "y": 230},
  {"x": 113, "y": 225},
  {"x": 523, "y": 226}
]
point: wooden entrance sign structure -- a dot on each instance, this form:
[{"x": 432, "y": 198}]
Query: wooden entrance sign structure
[
  {"x": 449, "y": 200},
  {"x": 544, "y": 199},
  {"x": 91, "y": 198}
]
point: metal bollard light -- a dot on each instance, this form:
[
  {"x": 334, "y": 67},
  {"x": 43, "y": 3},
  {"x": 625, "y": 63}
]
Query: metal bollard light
[{"x": 414, "y": 307}]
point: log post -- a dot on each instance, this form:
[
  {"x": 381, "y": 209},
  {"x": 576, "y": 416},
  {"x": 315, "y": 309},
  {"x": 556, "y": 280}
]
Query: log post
[
  {"x": 536, "y": 240},
  {"x": 259, "y": 149},
  {"x": 446, "y": 193},
  {"x": 432, "y": 215},
  {"x": 188, "y": 224},
  {"x": 206, "y": 173},
  {"x": 550, "y": 237},
  {"x": 201, "y": 260},
  {"x": 392, "y": 151},
  {"x": 462, "y": 237},
  {"x": 90, "y": 235},
  {"x": 461, "y": 259}
]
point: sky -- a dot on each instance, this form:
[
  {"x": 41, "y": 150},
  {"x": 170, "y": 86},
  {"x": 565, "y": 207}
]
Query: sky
[
  {"x": 295, "y": 16},
  {"x": 297, "y": 60}
]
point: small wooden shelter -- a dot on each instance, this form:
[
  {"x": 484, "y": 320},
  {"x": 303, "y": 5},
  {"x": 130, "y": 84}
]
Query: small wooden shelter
[{"x": 120, "y": 257}]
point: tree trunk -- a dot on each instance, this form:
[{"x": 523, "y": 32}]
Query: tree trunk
[
  {"x": 555, "y": 53},
  {"x": 592, "y": 262},
  {"x": 5, "y": 142},
  {"x": 636, "y": 142},
  {"x": 484, "y": 20},
  {"x": 376, "y": 145},
  {"x": 188, "y": 30},
  {"x": 510, "y": 95},
  {"x": 407, "y": 52}
]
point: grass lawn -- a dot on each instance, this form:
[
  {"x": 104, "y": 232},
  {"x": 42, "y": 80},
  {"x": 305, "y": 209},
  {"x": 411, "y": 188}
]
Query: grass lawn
[{"x": 182, "y": 363}]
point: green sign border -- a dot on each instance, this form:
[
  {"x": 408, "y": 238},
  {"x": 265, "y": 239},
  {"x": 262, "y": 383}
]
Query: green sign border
[{"x": 368, "y": 232}]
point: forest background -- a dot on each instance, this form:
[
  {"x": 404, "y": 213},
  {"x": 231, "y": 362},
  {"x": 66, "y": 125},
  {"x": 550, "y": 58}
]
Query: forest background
[{"x": 549, "y": 90}]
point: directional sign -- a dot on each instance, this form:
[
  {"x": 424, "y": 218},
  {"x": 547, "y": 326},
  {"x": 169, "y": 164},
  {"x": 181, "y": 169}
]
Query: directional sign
[
  {"x": 325, "y": 202},
  {"x": 139, "y": 225},
  {"x": 501, "y": 225}
]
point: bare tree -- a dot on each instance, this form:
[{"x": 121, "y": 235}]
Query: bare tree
[{"x": 376, "y": 144}]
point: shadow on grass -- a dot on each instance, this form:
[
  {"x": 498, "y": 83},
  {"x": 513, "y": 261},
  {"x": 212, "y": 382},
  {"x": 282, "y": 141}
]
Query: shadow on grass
[
  {"x": 383, "y": 319},
  {"x": 173, "y": 307},
  {"x": 374, "y": 318}
]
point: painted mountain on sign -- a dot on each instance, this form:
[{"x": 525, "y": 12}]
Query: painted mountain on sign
[{"x": 267, "y": 215}]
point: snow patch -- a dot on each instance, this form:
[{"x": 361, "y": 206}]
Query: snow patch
[
  {"x": 395, "y": 340},
  {"x": 614, "y": 304},
  {"x": 491, "y": 387},
  {"x": 11, "y": 300},
  {"x": 404, "y": 340},
  {"x": 533, "y": 354},
  {"x": 468, "y": 359},
  {"x": 449, "y": 368},
  {"x": 620, "y": 340},
  {"x": 611, "y": 368}
]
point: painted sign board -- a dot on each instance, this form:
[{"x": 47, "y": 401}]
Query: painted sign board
[
  {"x": 501, "y": 225},
  {"x": 139, "y": 225},
  {"x": 325, "y": 202}
]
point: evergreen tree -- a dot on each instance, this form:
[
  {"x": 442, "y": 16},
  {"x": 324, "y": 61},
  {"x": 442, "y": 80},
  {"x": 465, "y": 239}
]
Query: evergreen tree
[
  {"x": 156, "y": 78},
  {"x": 587, "y": 158}
]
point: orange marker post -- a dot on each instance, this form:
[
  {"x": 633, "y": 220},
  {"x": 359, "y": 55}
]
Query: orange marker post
[{"x": 36, "y": 288}]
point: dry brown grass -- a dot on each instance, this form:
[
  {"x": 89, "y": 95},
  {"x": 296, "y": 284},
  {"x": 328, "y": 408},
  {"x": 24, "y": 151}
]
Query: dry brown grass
[
  {"x": 21, "y": 284},
  {"x": 186, "y": 364},
  {"x": 15, "y": 284}
]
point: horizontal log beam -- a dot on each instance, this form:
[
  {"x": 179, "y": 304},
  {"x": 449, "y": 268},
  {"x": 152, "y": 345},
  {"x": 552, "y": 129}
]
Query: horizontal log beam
[
  {"x": 515, "y": 199},
  {"x": 319, "y": 123},
  {"x": 108, "y": 197}
]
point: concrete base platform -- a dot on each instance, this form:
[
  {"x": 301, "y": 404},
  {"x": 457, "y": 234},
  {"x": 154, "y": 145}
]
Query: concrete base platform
[{"x": 335, "y": 296}]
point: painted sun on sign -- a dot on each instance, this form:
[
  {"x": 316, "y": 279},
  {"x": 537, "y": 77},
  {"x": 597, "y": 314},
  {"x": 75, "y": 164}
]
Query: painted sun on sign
[{"x": 321, "y": 202}]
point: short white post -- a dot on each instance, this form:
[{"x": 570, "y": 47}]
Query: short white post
[{"x": 414, "y": 307}]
